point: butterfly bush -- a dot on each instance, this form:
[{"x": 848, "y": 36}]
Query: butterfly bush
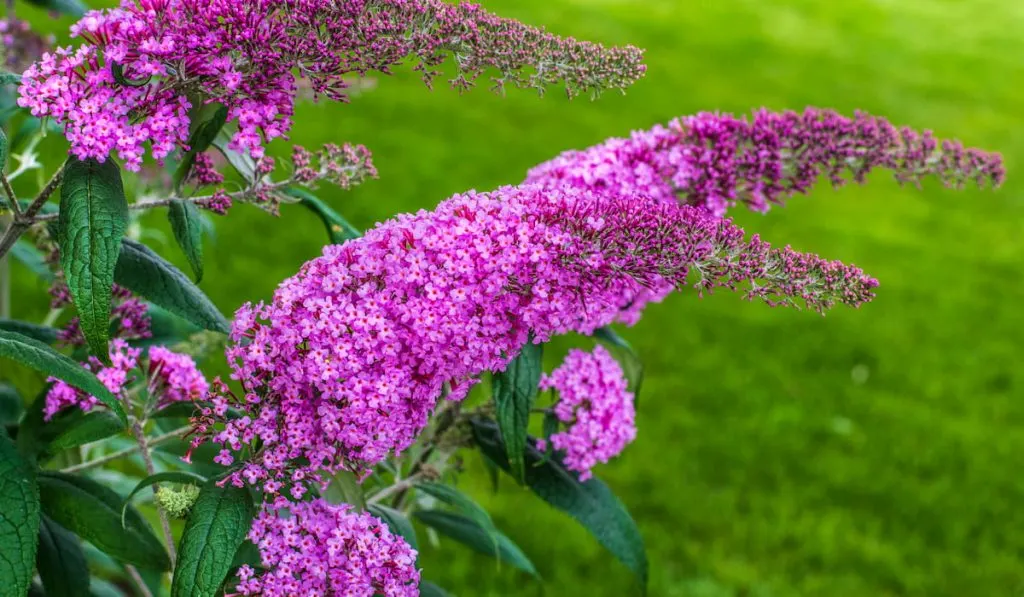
[
  {"x": 348, "y": 361},
  {"x": 719, "y": 160},
  {"x": 594, "y": 402},
  {"x": 143, "y": 66},
  {"x": 318, "y": 548}
]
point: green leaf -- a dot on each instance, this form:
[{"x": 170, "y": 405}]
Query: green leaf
[
  {"x": 93, "y": 215},
  {"x": 144, "y": 272},
  {"x": 74, "y": 8},
  {"x": 11, "y": 405},
  {"x": 164, "y": 477},
  {"x": 31, "y": 258},
  {"x": 468, "y": 532},
  {"x": 455, "y": 498},
  {"x": 218, "y": 524},
  {"x": 61, "y": 561},
  {"x": 515, "y": 390},
  {"x": 241, "y": 162},
  {"x": 591, "y": 503},
  {"x": 117, "y": 70},
  {"x": 41, "y": 357},
  {"x": 200, "y": 140},
  {"x": 9, "y": 78},
  {"x": 429, "y": 589},
  {"x": 19, "y": 520},
  {"x": 93, "y": 512},
  {"x": 345, "y": 489},
  {"x": 42, "y": 333},
  {"x": 339, "y": 229},
  {"x": 397, "y": 522},
  {"x": 92, "y": 427},
  {"x": 632, "y": 366},
  {"x": 187, "y": 226}
]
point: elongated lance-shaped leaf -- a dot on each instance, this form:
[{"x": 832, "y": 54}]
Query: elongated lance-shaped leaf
[
  {"x": 93, "y": 215},
  {"x": 215, "y": 529},
  {"x": 74, "y": 8},
  {"x": 93, "y": 512},
  {"x": 201, "y": 139},
  {"x": 466, "y": 531},
  {"x": 515, "y": 390},
  {"x": 31, "y": 258},
  {"x": 144, "y": 272},
  {"x": 429, "y": 589},
  {"x": 455, "y": 498},
  {"x": 61, "y": 562},
  {"x": 591, "y": 503},
  {"x": 42, "y": 333},
  {"x": 19, "y": 520},
  {"x": 344, "y": 488},
  {"x": 397, "y": 522},
  {"x": 187, "y": 226},
  {"x": 41, "y": 357},
  {"x": 339, "y": 229},
  {"x": 92, "y": 427}
]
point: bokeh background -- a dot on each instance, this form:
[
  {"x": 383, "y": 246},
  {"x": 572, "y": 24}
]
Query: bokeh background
[{"x": 870, "y": 452}]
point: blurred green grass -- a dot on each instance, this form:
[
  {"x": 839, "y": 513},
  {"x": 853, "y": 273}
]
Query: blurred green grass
[{"x": 868, "y": 453}]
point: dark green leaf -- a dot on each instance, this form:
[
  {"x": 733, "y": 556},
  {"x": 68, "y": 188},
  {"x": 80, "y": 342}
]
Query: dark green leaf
[
  {"x": 74, "y": 8},
  {"x": 166, "y": 327},
  {"x": 176, "y": 410},
  {"x": 466, "y": 531},
  {"x": 9, "y": 78},
  {"x": 41, "y": 357},
  {"x": 11, "y": 405},
  {"x": 429, "y": 589},
  {"x": 41, "y": 333},
  {"x": 103, "y": 588},
  {"x": 241, "y": 162},
  {"x": 550, "y": 428},
  {"x": 31, "y": 258},
  {"x": 117, "y": 70},
  {"x": 200, "y": 140},
  {"x": 632, "y": 366},
  {"x": 164, "y": 477},
  {"x": 61, "y": 561},
  {"x": 345, "y": 489},
  {"x": 339, "y": 229},
  {"x": 93, "y": 215},
  {"x": 216, "y": 528},
  {"x": 591, "y": 503},
  {"x": 187, "y": 226},
  {"x": 93, "y": 512},
  {"x": 144, "y": 272},
  {"x": 515, "y": 390},
  {"x": 92, "y": 427},
  {"x": 455, "y": 498},
  {"x": 397, "y": 522},
  {"x": 19, "y": 520}
]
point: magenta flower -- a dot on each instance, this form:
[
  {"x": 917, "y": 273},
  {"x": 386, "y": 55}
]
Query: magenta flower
[
  {"x": 146, "y": 63},
  {"x": 316, "y": 548},
  {"x": 594, "y": 403},
  {"x": 115, "y": 377},
  {"x": 174, "y": 377},
  {"x": 348, "y": 361},
  {"x": 719, "y": 160}
]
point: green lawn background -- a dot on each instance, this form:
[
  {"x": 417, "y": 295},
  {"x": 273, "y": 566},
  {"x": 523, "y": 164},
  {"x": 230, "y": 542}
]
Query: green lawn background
[{"x": 871, "y": 452}]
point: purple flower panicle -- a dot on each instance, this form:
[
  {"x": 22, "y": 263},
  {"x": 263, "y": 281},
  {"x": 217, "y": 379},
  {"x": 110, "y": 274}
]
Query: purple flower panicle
[
  {"x": 146, "y": 64},
  {"x": 719, "y": 160},
  {"x": 316, "y": 548},
  {"x": 595, "y": 404},
  {"x": 350, "y": 358},
  {"x": 123, "y": 359}
]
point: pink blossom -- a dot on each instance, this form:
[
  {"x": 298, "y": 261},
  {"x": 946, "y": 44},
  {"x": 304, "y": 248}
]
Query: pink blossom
[
  {"x": 348, "y": 361},
  {"x": 174, "y": 377},
  {"x": 316, "y": 548},
  {"x": 719, "y": 160},
  {"x": 115, "y": 377},
  {"x": 594, "y": 403}
]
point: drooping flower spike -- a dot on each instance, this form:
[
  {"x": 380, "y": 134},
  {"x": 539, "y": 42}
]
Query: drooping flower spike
[
  {"x": 145, "y": 65},
  {"x": 719, "y": 160},
  {"x": 348, "y": 361}
]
